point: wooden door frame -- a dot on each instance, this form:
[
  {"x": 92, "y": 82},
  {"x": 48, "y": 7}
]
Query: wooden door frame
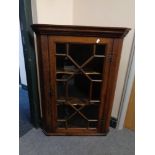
[
  {"x": 25, "y": 17},
  {"x": 106, "y": 68},
  {"x": 130, "y": 75},
  {"x": 130, "y": 114}
]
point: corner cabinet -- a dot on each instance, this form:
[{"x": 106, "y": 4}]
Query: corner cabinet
[{"x": 78, "y": 68}]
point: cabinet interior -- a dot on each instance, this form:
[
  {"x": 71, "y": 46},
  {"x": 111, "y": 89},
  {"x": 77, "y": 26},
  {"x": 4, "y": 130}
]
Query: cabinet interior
[{"x": 79, "y": 75}]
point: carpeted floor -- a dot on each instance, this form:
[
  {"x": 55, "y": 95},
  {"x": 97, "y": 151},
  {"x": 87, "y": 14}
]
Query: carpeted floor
[
  {"x": 24, "y": 112},
  {"x": 120, "y": 142}
]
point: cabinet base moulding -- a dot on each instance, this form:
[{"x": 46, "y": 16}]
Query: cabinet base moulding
[{"x": 75, "y": 132}]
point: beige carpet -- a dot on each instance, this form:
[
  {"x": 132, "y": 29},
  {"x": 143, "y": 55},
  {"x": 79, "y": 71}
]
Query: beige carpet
[{"x": 120, "y": 142}]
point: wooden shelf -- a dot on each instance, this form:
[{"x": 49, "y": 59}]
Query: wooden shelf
[
  {"x": 66, "y": 71},
  {"x": 77, "y": 101},
  {"x": 72, "y": 71},
  {"x": 99, "y": 56},
  {"x": 61, "y": 55}
]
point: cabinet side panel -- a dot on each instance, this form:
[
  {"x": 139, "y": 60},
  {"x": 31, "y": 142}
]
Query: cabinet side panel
[
  {"x": 43, "y": 59},
  {"x": 52, "y": 64},
  {"x": 116, "y": 54}
]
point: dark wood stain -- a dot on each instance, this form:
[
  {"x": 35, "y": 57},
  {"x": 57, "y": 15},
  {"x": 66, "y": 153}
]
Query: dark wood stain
[{"x": 47, "y": 35}]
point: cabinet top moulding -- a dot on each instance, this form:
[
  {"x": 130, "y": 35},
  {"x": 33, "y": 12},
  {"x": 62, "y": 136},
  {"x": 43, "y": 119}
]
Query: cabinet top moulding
[{"x": 73, "y": 30}]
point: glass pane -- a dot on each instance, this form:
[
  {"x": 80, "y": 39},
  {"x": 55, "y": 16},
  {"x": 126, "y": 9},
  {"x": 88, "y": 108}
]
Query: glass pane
[
  {"x": 96, "y": 89},
  {"x": 62, "y": 76},
  {"x": 93, "y": 124},
  {"x": 60, "y": 48},
  {"x": 80, "y": 52},
  {"x": 95, "y": 76},
  {"x": 64, "y": 111},
  {"x": 78, "y": 121},
  {"x": 91, "y": 112},
  {"x": 95, "y": 66},
  {"x": 61, "y": 124},
  {"x": 78, "y": 87},
  {"x": 61, "y": 90},
  {"x": 64, "y": 64},
  {"x": 100, "y": 49}
]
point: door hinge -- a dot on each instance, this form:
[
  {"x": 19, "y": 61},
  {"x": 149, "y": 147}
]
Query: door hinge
[{"x": 110, "y": 57}]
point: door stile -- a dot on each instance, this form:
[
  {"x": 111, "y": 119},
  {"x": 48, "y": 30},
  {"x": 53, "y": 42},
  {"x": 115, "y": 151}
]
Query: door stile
[
  {"x": 52, "y": 91},
  {"x": 105, "y": 81}
]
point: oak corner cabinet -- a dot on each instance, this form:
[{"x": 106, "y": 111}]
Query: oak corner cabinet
[{"x": 78, "y": 68}]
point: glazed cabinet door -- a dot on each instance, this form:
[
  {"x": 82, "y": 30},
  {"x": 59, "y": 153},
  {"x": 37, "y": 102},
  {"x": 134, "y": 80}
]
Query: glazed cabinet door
[{"x": 79, "y": 70}]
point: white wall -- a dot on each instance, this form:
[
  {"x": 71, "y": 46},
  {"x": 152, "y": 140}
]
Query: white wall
[
  {"x": 52, "y": 11},
  {"x": 112, "y": 13},
  {"x": 22, "y": 62},
  {"x": 129, "y": 80}
]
